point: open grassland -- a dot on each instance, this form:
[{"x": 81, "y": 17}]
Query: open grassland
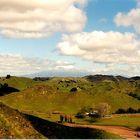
[
  {"x": 19, "y": 83},
  {"x": 130, "y": 121}
]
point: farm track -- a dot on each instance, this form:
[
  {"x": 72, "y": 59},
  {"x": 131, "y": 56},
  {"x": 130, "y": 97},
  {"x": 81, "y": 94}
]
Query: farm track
[{"x": 121, "y": 131}]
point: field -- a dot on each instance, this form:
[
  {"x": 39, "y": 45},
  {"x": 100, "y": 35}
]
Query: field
[
  {"x": 130, "y": 121},
  {"x": 127, "y": 120}
]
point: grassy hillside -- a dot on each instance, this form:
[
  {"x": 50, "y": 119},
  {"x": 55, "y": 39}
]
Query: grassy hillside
[
  {"x": 19, "y": 83},
  {"x": 55, "y": 95},
  {"x": 14, "y": 125}
]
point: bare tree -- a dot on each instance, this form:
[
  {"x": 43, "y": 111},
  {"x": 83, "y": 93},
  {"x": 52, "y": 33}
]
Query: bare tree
[{"x": 103, "y": 108}]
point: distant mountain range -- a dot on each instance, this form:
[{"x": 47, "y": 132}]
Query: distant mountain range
[
  {"x": 58, "y": 74},
  {"x": 96, "y": 77}
]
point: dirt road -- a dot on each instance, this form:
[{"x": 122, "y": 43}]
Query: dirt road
[{"x": 121, "y": 131}]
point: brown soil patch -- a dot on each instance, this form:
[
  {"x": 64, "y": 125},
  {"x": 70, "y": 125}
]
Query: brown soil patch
[{"x": 121, "y": 131}]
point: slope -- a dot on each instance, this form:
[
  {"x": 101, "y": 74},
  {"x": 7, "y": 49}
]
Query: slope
[
  {"x": 14, "y": 125},
  {"x": 45, "y": 99},
  {"x": 19, "y": 83}
]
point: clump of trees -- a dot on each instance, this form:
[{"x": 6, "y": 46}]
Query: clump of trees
[
  {"x": 138, "y": 128},
  {"x": 97, "y": 111},
  {"x": 126, "y": 111},
  {"x": 66, "y": 118},
  {"x": 82, "y": 112},
  {"x": 103, "y": 108}
]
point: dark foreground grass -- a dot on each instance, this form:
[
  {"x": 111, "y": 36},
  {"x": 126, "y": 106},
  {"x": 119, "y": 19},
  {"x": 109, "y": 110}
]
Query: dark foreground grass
[{"x": 53, "y": 130}]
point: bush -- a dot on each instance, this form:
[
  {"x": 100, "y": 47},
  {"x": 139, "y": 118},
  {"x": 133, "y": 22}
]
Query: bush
[
  {"x": 120, "y": 111},
  {"x": 138, "y": 128},
  {"x": 103, "y": 108},
  {"x": 80, "y": 115},
  {"x": 74, "y": 89},
  {"x": 83, "y": 111},
  {"x": 138, "y": 111},
  {"x": 8, "y": 76},
  {"x": 129, "y": 110},
  {"x": 5, "y": 85}
]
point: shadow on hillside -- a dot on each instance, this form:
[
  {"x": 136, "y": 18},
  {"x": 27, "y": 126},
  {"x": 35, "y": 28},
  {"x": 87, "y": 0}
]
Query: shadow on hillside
[
  {"x": 7, "y": 90},
  {"x": 54, "y": 130}
]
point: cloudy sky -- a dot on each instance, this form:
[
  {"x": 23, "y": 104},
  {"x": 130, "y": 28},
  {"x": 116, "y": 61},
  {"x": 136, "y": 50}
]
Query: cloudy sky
[{"x": 93, "y": 36}]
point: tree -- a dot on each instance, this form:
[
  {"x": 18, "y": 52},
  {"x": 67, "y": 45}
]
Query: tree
[
  {"x": 8, "y": 76},
  {"x": 138, "y": 111},
  {"x": 66, "y": 118},
  {"x": 120, "y": 111},
  {"x": 5, "y": 85},
  {"x": 103, "y": 108},
  {"x": 70, "y": 119},
  {"x": 74, "y": 89},
  {"x": 131, "y": 110},
  {"x": 61, "y": 118}
]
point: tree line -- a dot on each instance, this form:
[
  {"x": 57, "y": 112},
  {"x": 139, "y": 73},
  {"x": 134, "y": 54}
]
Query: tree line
[{"x": 126, "y": 111}]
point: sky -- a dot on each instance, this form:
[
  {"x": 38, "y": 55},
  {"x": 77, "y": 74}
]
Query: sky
[{"x": 93, "y": 36}]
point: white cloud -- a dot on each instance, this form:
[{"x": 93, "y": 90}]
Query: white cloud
[
  {"x": 124, "y": 70},
  {"x": 19, "y": 65},
  {"x": 102, "y": 47},
  {"x": 132, "y": 18},
  {"x": 40, "y": 18}
]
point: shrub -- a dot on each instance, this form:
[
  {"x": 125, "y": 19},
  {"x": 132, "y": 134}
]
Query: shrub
[
  {"x": 5, "y": 85},
  {"x": 80, "y": 115},
  {"x": 8, "y": 76},
  {"x": 83, "y": 111},
  {"x": 129, "y": 110},
  {"x": 73, "y": 89},
  {"x": 138, "y": 128},
  {"x": 138, "y": 111},
  {"x": 120, "y": 111}
]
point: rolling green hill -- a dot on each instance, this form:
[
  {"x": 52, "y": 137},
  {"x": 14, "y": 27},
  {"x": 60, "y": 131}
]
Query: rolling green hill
[
  {"x": 55, "y": 95},
  {"x": 19, "y": 83}
]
